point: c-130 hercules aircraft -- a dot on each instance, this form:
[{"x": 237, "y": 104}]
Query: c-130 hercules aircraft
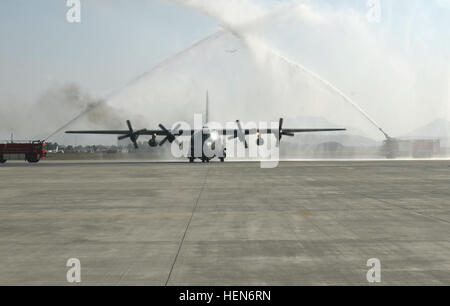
[{"x": 205, "y": 135}]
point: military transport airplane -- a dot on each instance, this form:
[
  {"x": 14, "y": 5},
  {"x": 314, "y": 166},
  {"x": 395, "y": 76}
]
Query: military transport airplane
[{"x": 206, "y": 135}]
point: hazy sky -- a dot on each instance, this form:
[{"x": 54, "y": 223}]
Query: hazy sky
[
  {"x": 118, "y": 40},
  {"x": 115, "y": 41}
]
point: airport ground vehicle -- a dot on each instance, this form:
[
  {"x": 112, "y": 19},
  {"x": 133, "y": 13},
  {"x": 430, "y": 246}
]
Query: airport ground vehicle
[{"x": 31, "y": 151}]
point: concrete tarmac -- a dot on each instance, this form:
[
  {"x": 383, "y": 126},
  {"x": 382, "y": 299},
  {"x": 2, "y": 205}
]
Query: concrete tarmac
[{"x": 303, "y": 223}]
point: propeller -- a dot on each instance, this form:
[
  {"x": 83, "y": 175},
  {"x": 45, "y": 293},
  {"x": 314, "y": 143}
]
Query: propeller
[
  {"x": 241, "y": 134},
  {"x": 133, "y": 135},
  {"x": 170, "y": 137},
  {"x": 282, "y": 133}
]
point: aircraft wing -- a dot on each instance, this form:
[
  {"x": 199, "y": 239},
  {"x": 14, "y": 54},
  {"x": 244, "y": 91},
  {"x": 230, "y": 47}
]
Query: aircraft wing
[
  {"x": 128, "y": 133},
  {"x": 121, "y": 132},
  {"x": 133, "y": 135},
  {"x": 270, "y": 131},
  {"x": 312, "y": 130},
  {"x": 170, "y": 135},
  {"x": 280, "y": 132},
  {"x": 205, "y": 131},
  {"x": 240, "y": 133},
  {"x": 109, "y": 132}
]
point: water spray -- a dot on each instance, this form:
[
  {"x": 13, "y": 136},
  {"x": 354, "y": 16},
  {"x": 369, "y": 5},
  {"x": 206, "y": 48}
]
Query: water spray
[
  {"x": 217, "y": 34},
  {"x": 88, "y": 109},
  {"x": 314, "y": 75},
  {"x": 166, "y": 61},
  {"x": 239, "y": 32},
  {"x": 329, "y": 86}
]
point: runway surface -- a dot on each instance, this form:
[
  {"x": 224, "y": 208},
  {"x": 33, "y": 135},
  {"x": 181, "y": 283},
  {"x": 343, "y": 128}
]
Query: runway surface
[{"x": 303, "y": 223}]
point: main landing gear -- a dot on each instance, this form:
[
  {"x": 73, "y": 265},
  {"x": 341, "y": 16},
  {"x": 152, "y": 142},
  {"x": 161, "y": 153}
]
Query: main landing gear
[{"x": 205, "y": 159}]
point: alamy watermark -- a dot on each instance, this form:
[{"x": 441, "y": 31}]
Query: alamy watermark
[
  {"x": 374, "y": 11},
  {"x": 73, "y": 15},
  {"x": 374, "y": 273},
  {"x": 373, "y": 15},
  {"x": 74, "y": 273}
]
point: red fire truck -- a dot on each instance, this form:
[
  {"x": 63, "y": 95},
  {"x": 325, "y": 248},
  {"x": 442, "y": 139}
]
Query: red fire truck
[{"x": 32, "y": 151}]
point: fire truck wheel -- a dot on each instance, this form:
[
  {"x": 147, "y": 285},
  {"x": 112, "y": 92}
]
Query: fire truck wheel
[
  {"x": 2, "y": 161},
  {"x": 32, "y": 159}
]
